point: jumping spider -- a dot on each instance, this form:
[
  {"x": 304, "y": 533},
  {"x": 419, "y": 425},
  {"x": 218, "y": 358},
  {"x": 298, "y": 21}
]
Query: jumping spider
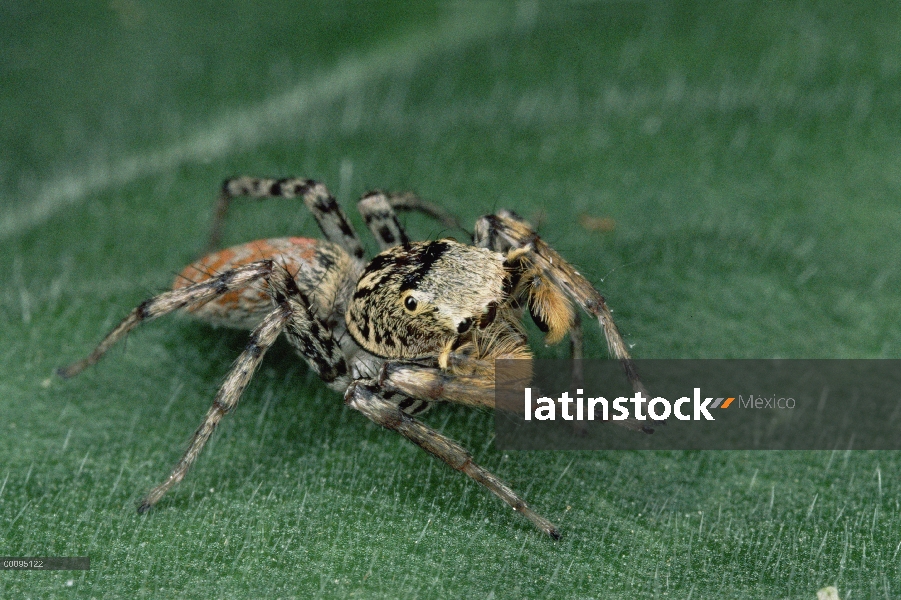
[{"x": 420, "y": 322}]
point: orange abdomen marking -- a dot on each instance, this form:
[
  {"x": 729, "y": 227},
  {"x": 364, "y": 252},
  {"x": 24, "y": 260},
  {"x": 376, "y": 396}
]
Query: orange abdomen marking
[{"x": 245, "y": 308}]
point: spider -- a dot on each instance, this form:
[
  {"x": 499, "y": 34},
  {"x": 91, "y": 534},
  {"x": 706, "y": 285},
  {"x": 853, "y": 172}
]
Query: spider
[{"x": 420, "y": 322}]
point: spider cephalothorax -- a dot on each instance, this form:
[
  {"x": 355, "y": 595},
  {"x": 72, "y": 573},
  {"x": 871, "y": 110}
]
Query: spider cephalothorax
[
  {"x": 419, "y": 299},
  {"x": 420, "y": 322}
]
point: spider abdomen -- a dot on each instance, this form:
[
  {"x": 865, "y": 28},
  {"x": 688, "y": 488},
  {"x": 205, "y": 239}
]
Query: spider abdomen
[{"x": 324, "y": 273}]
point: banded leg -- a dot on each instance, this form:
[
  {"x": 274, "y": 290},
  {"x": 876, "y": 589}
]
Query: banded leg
[
  {"x": 306, "y": 333},
  {"x": 576, "y": 351},
  {"x": 310, "y": 337},
  {"x": 407, "y": 201},
  {"x": 381, "y": 220},
  {"x": 226, "y": 399},
  {"x": 368, "y": 400},
  {"x": 328, "y": 214},
  {"x": 507, "y": 233},
  {"x": 378, "y": 211},
  {"x": 433, "y": 384},
  {"x": 192, "y": 295}
]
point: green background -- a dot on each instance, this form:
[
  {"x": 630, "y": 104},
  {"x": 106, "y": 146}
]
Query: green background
[{"x": 749, "y": 155}]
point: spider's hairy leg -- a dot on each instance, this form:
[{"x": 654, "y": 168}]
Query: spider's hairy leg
[
  {"x": 226, "y": 399},
  {"x": 408, "y": 201},
  {"x": 432, "y": 384},
  {"x": 190, "y": 296},
  {"x": 381, "y": 220},
  {"x": 309, "y": 336},
  {"x": 305, "y": 332},
  {"x": 576, "y": 351},
  {"x": 507, "y": 233},
  {"x": 331, "y": 219},
  {"x": 369, "y": 401},
  {"x": 550, "y": 308},
  {"x": 378, "y": 210}
]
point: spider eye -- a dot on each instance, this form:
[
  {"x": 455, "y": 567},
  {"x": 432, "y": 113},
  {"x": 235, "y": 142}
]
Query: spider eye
[
  {"x": 464, "y": 325},
  {"x": 410, "y": 303}
]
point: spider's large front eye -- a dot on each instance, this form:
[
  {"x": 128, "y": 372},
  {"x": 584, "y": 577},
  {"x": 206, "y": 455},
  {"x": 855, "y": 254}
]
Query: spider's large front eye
[{"x": 410, "y": 303}]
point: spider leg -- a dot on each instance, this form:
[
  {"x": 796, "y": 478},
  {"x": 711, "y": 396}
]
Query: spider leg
[
  {"x": 190, "y": 296},
  {"x": 369, "y": 401},
  {"x": 382, "y": 220},
  {"x": 576, "y": 352},
  {"x": 408, "y": 201},
  {"x": 378, "y": 210},
  {"x": 309, "y": 336},
  {"x": 331, "y": 219},
  {"x": 305, "y": 332},
  {"x": 226, "y": 399},
  {"x": 507, "y": 233},
  {"x": 433, "y": 384}
]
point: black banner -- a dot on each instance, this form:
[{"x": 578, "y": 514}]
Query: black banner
[{"x": 780, "y": 404}]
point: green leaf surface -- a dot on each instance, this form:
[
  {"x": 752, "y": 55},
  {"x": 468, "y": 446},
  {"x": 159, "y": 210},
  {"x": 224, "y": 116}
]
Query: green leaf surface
[{"x": 727, "y": 173}]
